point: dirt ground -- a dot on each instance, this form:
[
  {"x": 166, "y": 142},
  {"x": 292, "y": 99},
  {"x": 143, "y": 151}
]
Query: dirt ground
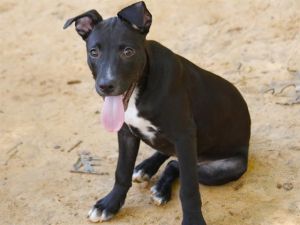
[{"x": 254, "y": 44}]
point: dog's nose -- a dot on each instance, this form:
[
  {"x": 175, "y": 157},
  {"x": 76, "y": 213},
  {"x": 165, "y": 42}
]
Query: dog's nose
[{"x": 106, "y": 87}]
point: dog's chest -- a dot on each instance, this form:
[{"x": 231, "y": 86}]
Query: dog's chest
[{"x": 132, "y": 118}]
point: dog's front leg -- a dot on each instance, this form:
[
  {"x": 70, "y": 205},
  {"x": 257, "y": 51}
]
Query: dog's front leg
[
  {"x": 106, "y": 207},
  {"x": 186, "y": 151}
]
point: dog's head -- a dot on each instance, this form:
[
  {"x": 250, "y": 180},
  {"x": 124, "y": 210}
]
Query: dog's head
[{"x": 115, "y": 46}]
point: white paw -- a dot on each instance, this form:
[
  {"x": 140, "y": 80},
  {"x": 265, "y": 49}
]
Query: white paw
[
  {"x": 95, "y": 215},
  {"x": 153, "y": 190},
  {"x": 156, "y": 199},
  {"x": 140, "y": 176}
]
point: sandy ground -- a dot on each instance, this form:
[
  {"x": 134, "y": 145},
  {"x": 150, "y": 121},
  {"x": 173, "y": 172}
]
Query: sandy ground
[{"x": 253, "y": 44}]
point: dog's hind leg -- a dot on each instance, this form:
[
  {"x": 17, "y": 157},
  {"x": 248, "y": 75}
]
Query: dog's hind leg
[
  {"x": 161, "y": 191},
  {"x": 221, "y": 171},
  {"x": 146, "y": 169}
]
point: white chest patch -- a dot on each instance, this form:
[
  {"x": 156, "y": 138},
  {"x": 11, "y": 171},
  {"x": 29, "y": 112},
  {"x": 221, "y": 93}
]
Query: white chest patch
[{"x": 147, "y": 129}]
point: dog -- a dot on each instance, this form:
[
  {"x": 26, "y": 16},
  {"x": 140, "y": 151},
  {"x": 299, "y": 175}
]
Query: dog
[{"x": 170, "y": 104}]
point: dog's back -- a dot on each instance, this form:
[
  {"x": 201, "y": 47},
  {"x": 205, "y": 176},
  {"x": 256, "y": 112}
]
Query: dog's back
[{"x": 219, "y": 110}]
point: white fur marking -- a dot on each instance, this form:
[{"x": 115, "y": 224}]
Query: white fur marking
[
  {"x": 140, "y": 176},
  {"x": 153, "y": 190},
  {"x": 109, "y": 74},
  {"x": 105, "y": 216},
  {"x": 157, "y": 200},
  {"x": 132, "y": 118},
  {"x": 155, "y": 196},
  {"x": 93, "y": 215},
  {"x": 134, "y": 26}
]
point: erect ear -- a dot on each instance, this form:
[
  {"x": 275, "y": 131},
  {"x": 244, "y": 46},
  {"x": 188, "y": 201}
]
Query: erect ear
[
  {"x": 138, "y": 16},
  {"x": 84, "y": 23}
]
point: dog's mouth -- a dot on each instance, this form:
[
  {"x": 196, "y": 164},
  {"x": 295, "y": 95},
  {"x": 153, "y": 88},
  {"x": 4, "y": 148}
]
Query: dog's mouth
[
  {"x": 114, "y": 107},
  {"x": 127, "y": 94}
]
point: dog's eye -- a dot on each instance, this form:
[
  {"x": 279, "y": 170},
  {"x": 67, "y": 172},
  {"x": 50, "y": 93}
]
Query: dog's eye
[
  {"x": 94, "y": 53},
  {"x": 128, "y": 52}
]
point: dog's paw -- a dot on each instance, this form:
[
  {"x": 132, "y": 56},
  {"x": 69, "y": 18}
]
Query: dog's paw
[
  {"x": 160, "y": 196},
  {"x": 106, "y": 207},
  {"x": 139, "y": 176},
  {"x": 95, "y": 215}
]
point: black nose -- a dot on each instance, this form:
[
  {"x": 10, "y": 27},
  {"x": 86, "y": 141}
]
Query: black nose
[{"x": 106, "y": 87}]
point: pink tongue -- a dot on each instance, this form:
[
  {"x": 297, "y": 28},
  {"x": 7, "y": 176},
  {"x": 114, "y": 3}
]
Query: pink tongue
[{"x": 113, "y": 113}]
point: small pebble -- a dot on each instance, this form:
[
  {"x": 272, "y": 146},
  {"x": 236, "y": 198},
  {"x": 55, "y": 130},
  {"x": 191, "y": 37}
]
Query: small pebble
[
  {"x": 104, "y": 173},
  {"x": 288, "y": 186}
]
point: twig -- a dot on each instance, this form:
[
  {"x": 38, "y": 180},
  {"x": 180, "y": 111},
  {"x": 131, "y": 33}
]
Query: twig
[
  {"x": 71, "y": 82},
  {"x": 285, "y": 87},
  {"x": 10, "y": 157},
  {"x": 14, "y": 147},
  {"x": 74, "y": 146},
  {"x": 288, "y": 103},
  {"x": 270, "y": 89}
]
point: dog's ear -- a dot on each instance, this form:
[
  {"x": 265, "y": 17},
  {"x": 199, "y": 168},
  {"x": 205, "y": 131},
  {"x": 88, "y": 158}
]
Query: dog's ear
[
  {"x": 84, "y": 23},
  {"x": 138, "y": 16}
]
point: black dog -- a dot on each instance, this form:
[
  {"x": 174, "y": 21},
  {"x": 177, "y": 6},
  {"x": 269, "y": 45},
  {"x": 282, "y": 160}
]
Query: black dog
[{"x": 174, "y": 106}]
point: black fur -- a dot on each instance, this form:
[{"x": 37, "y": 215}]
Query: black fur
[{"x": 202, "y": 119}]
